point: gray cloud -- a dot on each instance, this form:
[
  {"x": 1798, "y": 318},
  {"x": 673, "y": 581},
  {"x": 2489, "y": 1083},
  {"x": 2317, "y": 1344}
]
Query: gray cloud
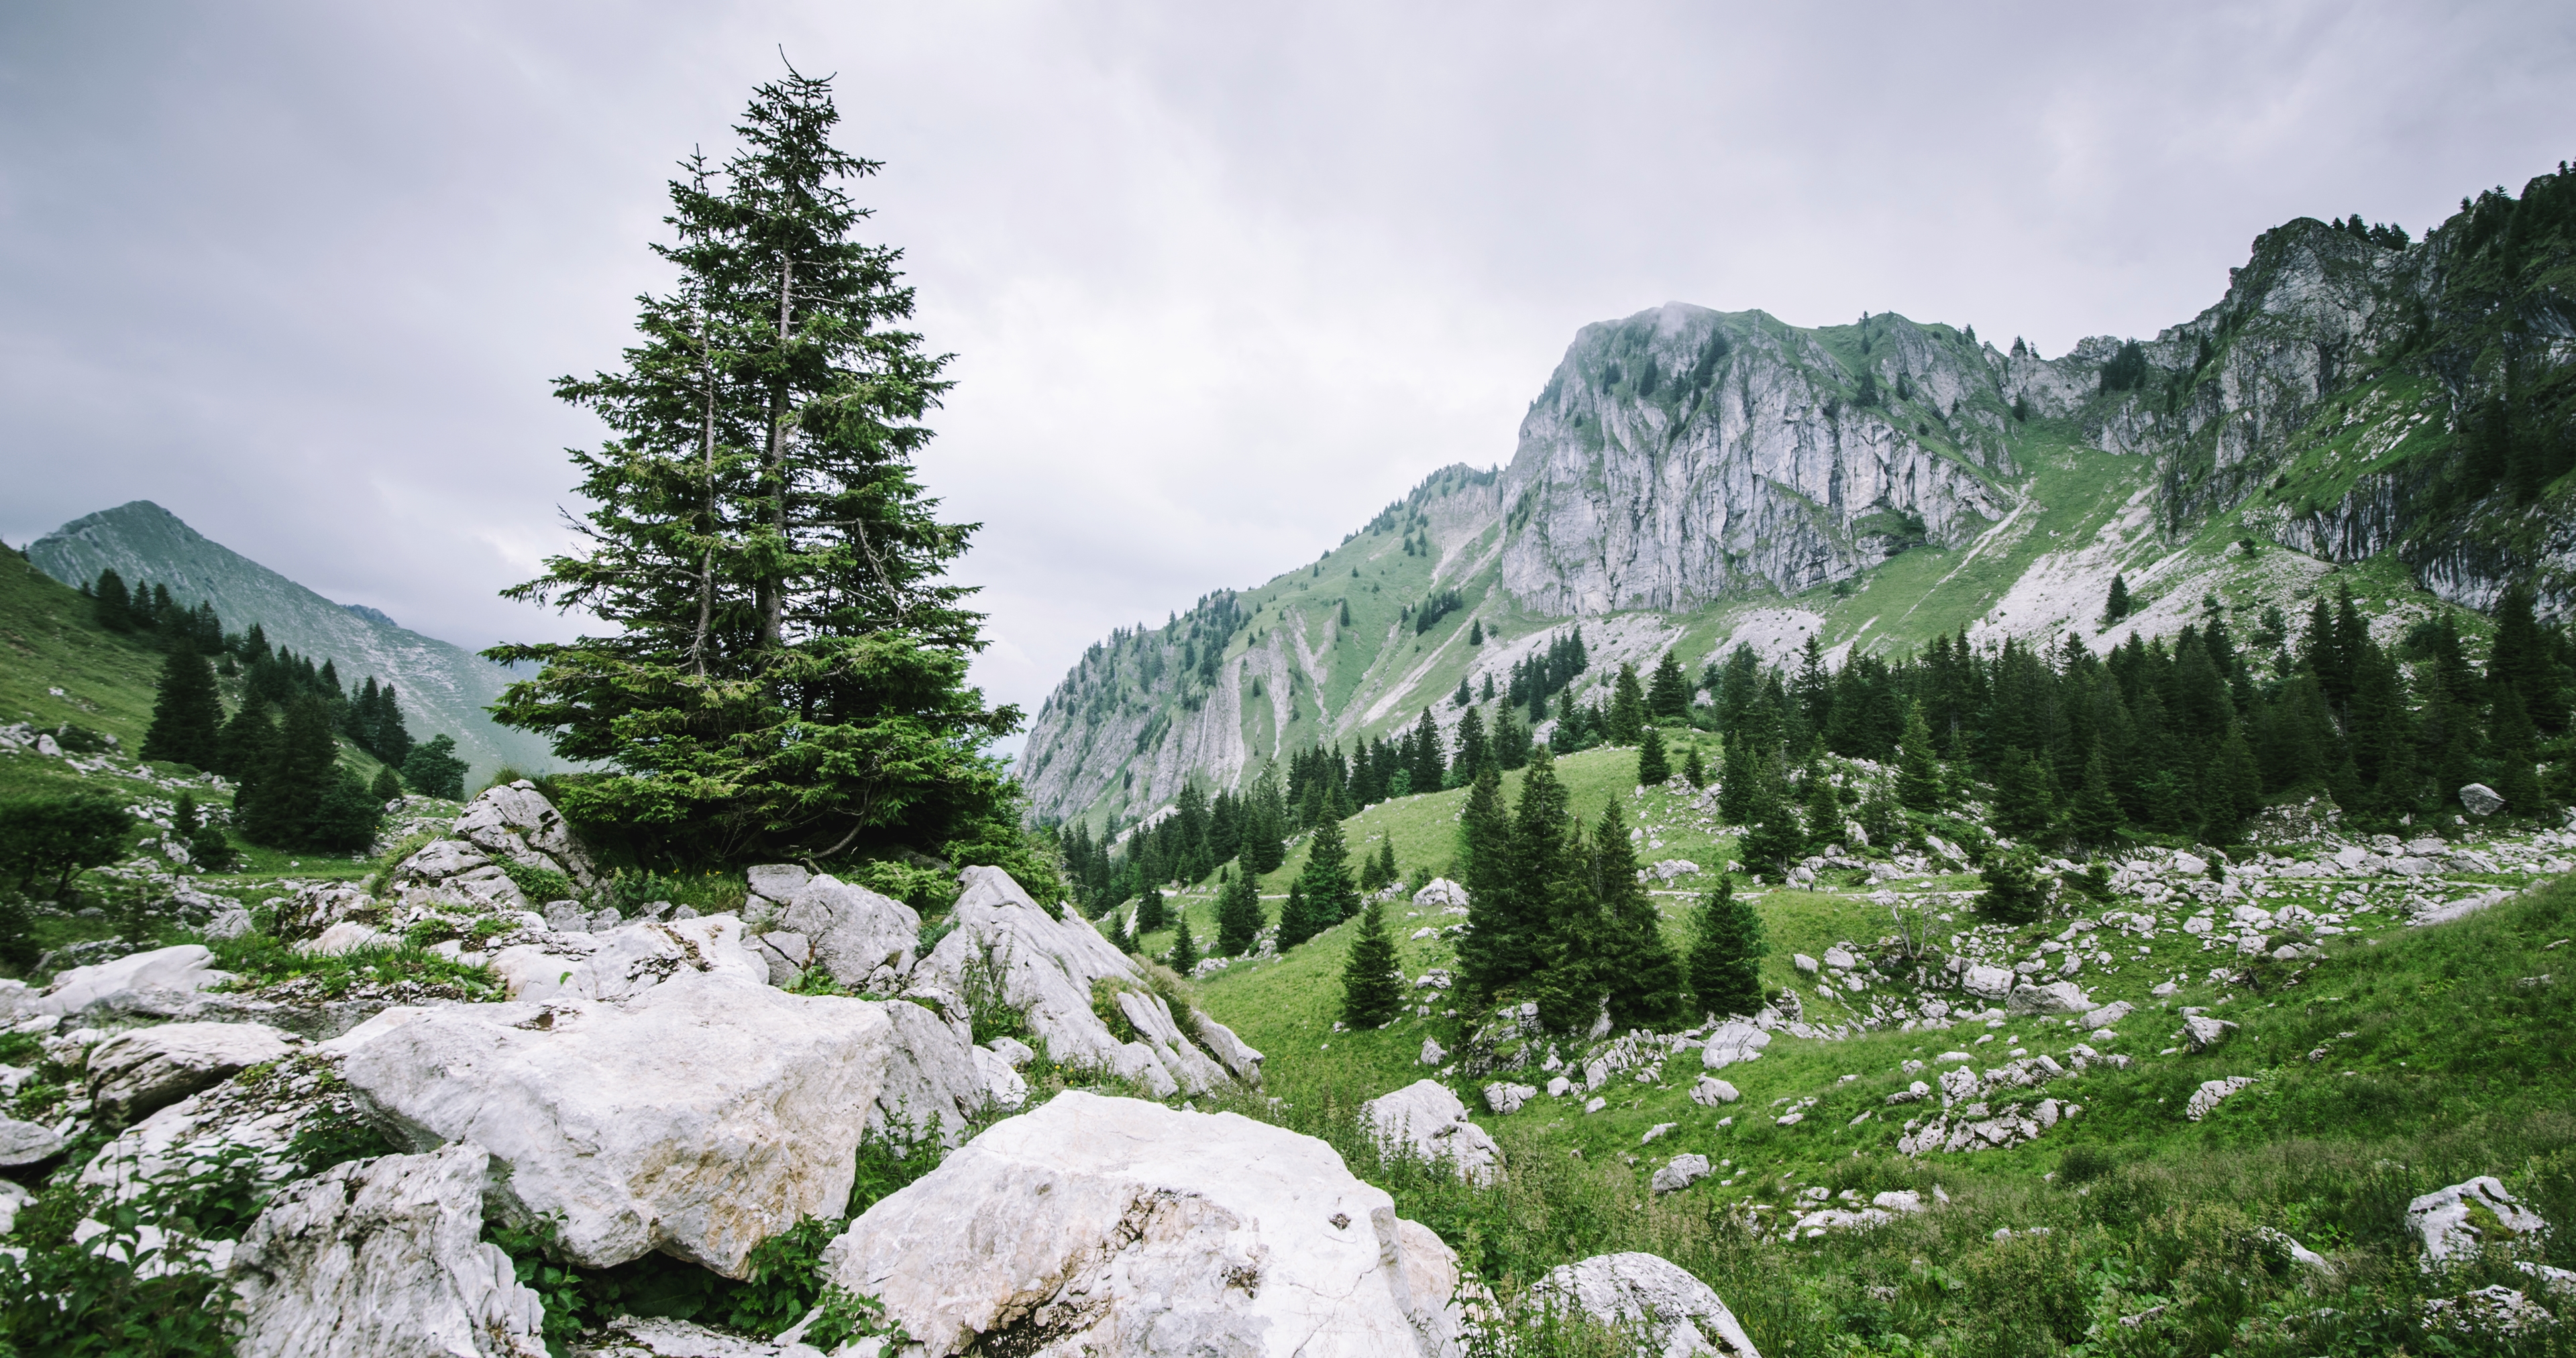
[{"x": 1219, "y": 282}]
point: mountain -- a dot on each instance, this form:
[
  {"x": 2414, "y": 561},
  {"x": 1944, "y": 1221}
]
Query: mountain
[
  {"x": 444, "y": 688},
  {"x": 2393, "y": 414}
]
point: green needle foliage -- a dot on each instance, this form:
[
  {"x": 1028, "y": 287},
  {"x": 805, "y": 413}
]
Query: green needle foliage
[
  {"x": 1726, "y": 954},
  {"x": 186, "y": 715},
  {"x": 1372, "y": 992},
  {"x": 787, "y": 672},
  {"x": 1653, "y": 768},
  {"x": 1330, "y": 892},
  {"x": 1185, "y": 949},
  {"x": 1238, "y": 916},
  {"x": 2013, "y": 891}
]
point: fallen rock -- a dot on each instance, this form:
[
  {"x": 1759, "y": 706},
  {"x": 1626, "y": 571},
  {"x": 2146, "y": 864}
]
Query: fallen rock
[
  {"x": 253, "y": 1118},
  {"x": 1506, "y": 1099},
  {"x": 2109, "y": 1014},
  {"x": 1163, "y": 1232},
  {"x": 2494, "y": 1309},
  {"x": 2056, "y": 997},
  {"x": 699, "y": 1119},
  {"x": 517, "y": 822},
  {"x": 860, "y": 939},
  {"x": 137, "y": 1073},
  {"x": 617, "y": 966},
  {"x": 1735, "y": 1040},
  {"x": 2448, "y": 1221},
  {"x": 1679, "y": 1173},
  {"x": 12, "y": 1198},
  {"x": 1683, "y": 1315},
  {"x": 2203, "y": 1032},
  {"x": 1441, "y": 894},
  {"x": 1002, "y": 1084},
  {"x": 383, "y": 1256},
  {"x": 26, "y": 1143},
  {"x": 1708, "y": 1091},
  {"x": 2480, "y": 800},
  {"x": 1058, "y": 973},
  {"x": 165, "y": 972},
  {"x": 1424, "y": 1119},
  {"x": 2211, "y": 1093},
  {"x": 1432, "y": 1053},
  {"x": 346, "y": 937},
  {"x": 1987, "y": 983}
]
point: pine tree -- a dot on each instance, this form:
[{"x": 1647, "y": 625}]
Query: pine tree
[
  {"x": 2023, "y": 806},
  {"x": 1327, "y": 875},
  {"x": 1238, "y": 916},
  {"x": 770, "y": 568},
  {"x": 2095, "y": 816},
  {"x": 110, "y": 604},
  {"x": 1627, "y": 708},
  {"x": 1184, "y": 957},
  {"x": 1476, "y": 637},
  {"x": 1694, "y": 772},
  {"x": 282, "y": 804},
  {"x": 2013, "y": 892},
  {"x": 187, "y": 716},
  {"x": 1428, "y": 763},
  {"x": 1668, "y": 694},
  {"x": 1918, "y": 769},
  {"x": 1772, "y": 838},
  {"x": 1644, "y": 979},
  {"x": 386, "y": 787},
  {"x": 1824, "y": 812},
  {"x": 2513, "y": 736},
  {"x": 1299, "y": 920},
  {"x": 1463, "y": 697},
  {"x": 1735, "y": 792},
  {"x": 1372, "y": 989},
  {"x": 1475, "y": 753},
  {"x": 1498, "y": 949},
  {"x": 1652, "y": 769},
  {"x": 1150, "y": 914},
  {"x": 1387, "y": 872},
  {"x": 1726, "y": 955}
]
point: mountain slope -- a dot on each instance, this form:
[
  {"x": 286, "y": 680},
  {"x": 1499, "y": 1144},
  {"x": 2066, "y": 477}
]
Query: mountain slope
[
  {"x": 2390, "y": 415},
  {"x": 444, "y": 688}
]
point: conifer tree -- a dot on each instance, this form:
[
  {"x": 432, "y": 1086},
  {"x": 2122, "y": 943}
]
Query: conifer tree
[
  {"x": 1327, "y": 875},
  {"x": 110, "y": 603},
  {"x": 1387, "y": 872},
  {"x": 1694, "y": 772},
  {"x": 770, "y": 570},
  {"x": 386, "y": 787},
  {"x": 1372, "y": 989},
  {"x": 1645, "y": 983},
  {"x": 2117, "y": 606},
  {"x": 1463, "y": 697},
  {"x": 280, "y": 804},
  {"x": 1184, "y": 957},
  {"x": 1150, "y": 915},
  {"x": 1772, "y": 836},
  {"x": 1726, "y": 954},
  {"x": 187, "y": 717},
  {"x": 1475, "y": 753},
  {"x": 1511, "y": 741},
  {"x": 1627, "y": 707},
  {"x": 2095, "y": 817},
  {"x": 2513, "y": 736},
  {"x": 1652, "y": 769},
  {"x": 1735, "y": 793},
  {"x": 1668, "y": 695},
  {"x": 1299, "y": 920},
  {"x": 433, "y": 770},
  {"x": 2023, "y": 806},
  {"x": 1499, "y": 947},
  {"x": 2013, "y": 891},
  {"x": 1476, "y": 637},
  {"x": 1824, "y": 812},
  {"x": 1238, "y": 916},
  {"x": 1918, "y": 770}
]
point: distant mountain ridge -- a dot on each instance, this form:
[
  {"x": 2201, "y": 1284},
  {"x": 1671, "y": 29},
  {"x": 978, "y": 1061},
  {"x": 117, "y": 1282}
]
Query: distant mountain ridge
[{"x": 443, "y": 688}]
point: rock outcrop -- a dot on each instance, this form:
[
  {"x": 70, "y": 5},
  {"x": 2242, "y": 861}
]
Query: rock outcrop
[
  {"x": 1427, "y": 1121},
  {"x": 1160, "y": 1232},
  {"x": 383, "y": 1257},
  {"x": 1684, "y": 1315},
  {"x": 138, "y": 1073},
  {"x": 795, "y": 921},
  {"x": 700, "y": 1118},
  {"x": 163, "y": 975}
]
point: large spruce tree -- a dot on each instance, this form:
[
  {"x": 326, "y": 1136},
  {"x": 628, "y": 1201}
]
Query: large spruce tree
[
  {"x": 1330, "y": 889},
  {"x": 787, "y": 673},
  {"x": 1238, "y": 916},
  {"x": 1643, "y": 978},
  {"x": 1726, "y": 954},
  {"x": 1372, "y": 990},
  {"x": 187, "y": 717}
]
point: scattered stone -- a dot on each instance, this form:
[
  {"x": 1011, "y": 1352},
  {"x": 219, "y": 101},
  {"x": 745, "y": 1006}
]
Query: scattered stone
[
  {"x": 2297, "y": 1253},
  {"x": 1441, "y": 894},
  {"x": 1900, "y": 1200},
  {"x": 1805, "y": 963},
  {"x": 661, "y": 1337},
  {"x": 1165, "y": 1231},
  {"x": 2203, "y": 1032},
  {"x": 1683, "y": 1315},
  {"x": 1679, "y": 1173},
  {"x": 1735, "y": 1040},
  {"x": 162, "y": 972},
  {"x": 2451, "y": 1221},
  {"x": 2056, "y": 997},
  {"x": 1656, "y": 1132},
  {"x": 2495, "y": 1309},
  {"x": 26, "y": 1143},
  {"x": 1709, "y": 1091},
  {"x": 2480, "y": 800},
  {"x": 1425, "y": 1119},
  {"x": 617, "y": 966},
  {"x": 2211, "y": 1092},
  {"x": 1987, "y": 983},
  {"x": 1506, "y": 1099},
  {"x": 517, "y": 822},
  {"x": 1002, "y": 1084},
  {"x": 1432, "y": 1052},
  {"x": 383, "y": 1256},
  {"x": 2108, "y": 1014},
  {"x": 860, "y": 939},
  {"x": 135, "y": 1074}
]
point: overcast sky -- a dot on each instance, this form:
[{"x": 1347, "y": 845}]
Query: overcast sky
[{"x": 1220, "y": 280}]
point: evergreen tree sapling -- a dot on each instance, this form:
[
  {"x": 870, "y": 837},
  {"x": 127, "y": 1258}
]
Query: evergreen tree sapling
[
  {"x": 2013, "y": 894},
  {"x": 1668, "y": 694},
  {"x": 1726, "y": 955},
  {"x": 1150, "y": 914},
  {"x": 1184, "y": 957},
  {"x": 1330, "y": 892},
  {"x": 1824, "y": 812},
  {"x": 2095, "y": 817},
  {"x": 1652, "y": 768},
  {"x": 187, "y": 717},
  {"x": 1773, "y": 838},
  {"x": 1298, "y": 919},
  {"x": 1645, "y": 983},
  {"x": 1918, "y": 770},
  {"x": 1627, "y": 707},
  {"x": 1372, "y": 988},
  {"x": 1238, "y": 916},
  {"x": 1694, "y": 772},
  {"x": 433, "y": 770},
  {"x": 386, "y": 787},
  {"x": 1499, "y": 947},
  {"x": 2117, "y": 605}
]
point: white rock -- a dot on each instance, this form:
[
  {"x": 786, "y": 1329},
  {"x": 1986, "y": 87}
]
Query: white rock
[
  {"x": 1838, "y": 958},
  {"x": 1682, "y": 1315},
  {"x": 1656, "y": 1132},
  {"x": 2442, "y": 1219},
  {"x": 777, "y": 881},
  {"x": 1440, "y": 894},
  {"x": 1708, "y": 1091},
  {"x": 2205, "y": 1099},
  {"x": 1049, "y": 969},
  {"x": 183, "y": 969},
  {"x": 1505, "y": 1099},
  {"x": 2204, "y": 1032},
  {"x": 1900, "y": 1200},
  {"x": 1987, "y": 983},
  {"x": 12, "y": 1197},
  {"x": 861, "y": 939},
  {"x": 2480, "y": 800},
  {"x": 1734, "y": 1040},
  {"x": 518, "y": 823},
  {"x": 625, "y": 962},
  {"x": 699, "y": 1119},
  {"x": 345, "y": 937},
  {"x": 26, "y": 1143},
  {"x": 2491, "y": 1310},
  {"x": 383, "y": 1256},
  {"x": 1432, "y": 1053},
  {"x": 2056, "y": 997},
  {"x": 1013, "y": 1050},
  {"x": 1161, "y": 1232},
  {"x": 1559, "y": 1087},
  {"x": 1002, "y": 1084},
  {"x": 142, "y": 1071},
  {"x": 1804, "y": 962},
  {"x": 230, "y": 922},
  {"x": 660, "y": 1337},
  {"x": 1424, "y": 1119},
  {"x": 2108, "y": 1014},
  {"x": 1679, "y": 1173}
]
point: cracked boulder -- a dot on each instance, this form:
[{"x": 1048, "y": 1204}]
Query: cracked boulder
[
  {"x": 1683, "y": 1315},
  {"x": 140, "y": 1072},
  {"x": 623, "y": 963},
  {"x": 516, "y": 822},
  {"x": 1426, "y": 1121},
  {"x": 698, "y": 1119},
  {"x": 1101, "y": 1225},
  {"x": 795, "y": 921}
]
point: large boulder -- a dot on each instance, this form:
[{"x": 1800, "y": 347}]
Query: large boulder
[
  {"x": 859, "y": 938},
  {"x": 2457, "y": 1222},
  {"x": 253, "y": 1119},
  {"x": 1100, "y": 1225},
  {"x": 163, "y": 974},
  {"x": 1734, "y": 1040},
  {"x": 518, "y": 823},
  {"x": 456, "y": 872},
  {"x": 1986, "y": 982},
  {"x": 1426, "y": 1121},
  {"x": 2056, "y": 997},
  {"x": 137, "y": 1073},
  {"x": 616, "y": 966},
  {"x": 701, "y": 1117},
  {"x": 383, "y": 1257},
  {"x": 1066, "y": 981},
  {"x": 1684, "y": 1315},
  {"x": 27, "y": 1143}
]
